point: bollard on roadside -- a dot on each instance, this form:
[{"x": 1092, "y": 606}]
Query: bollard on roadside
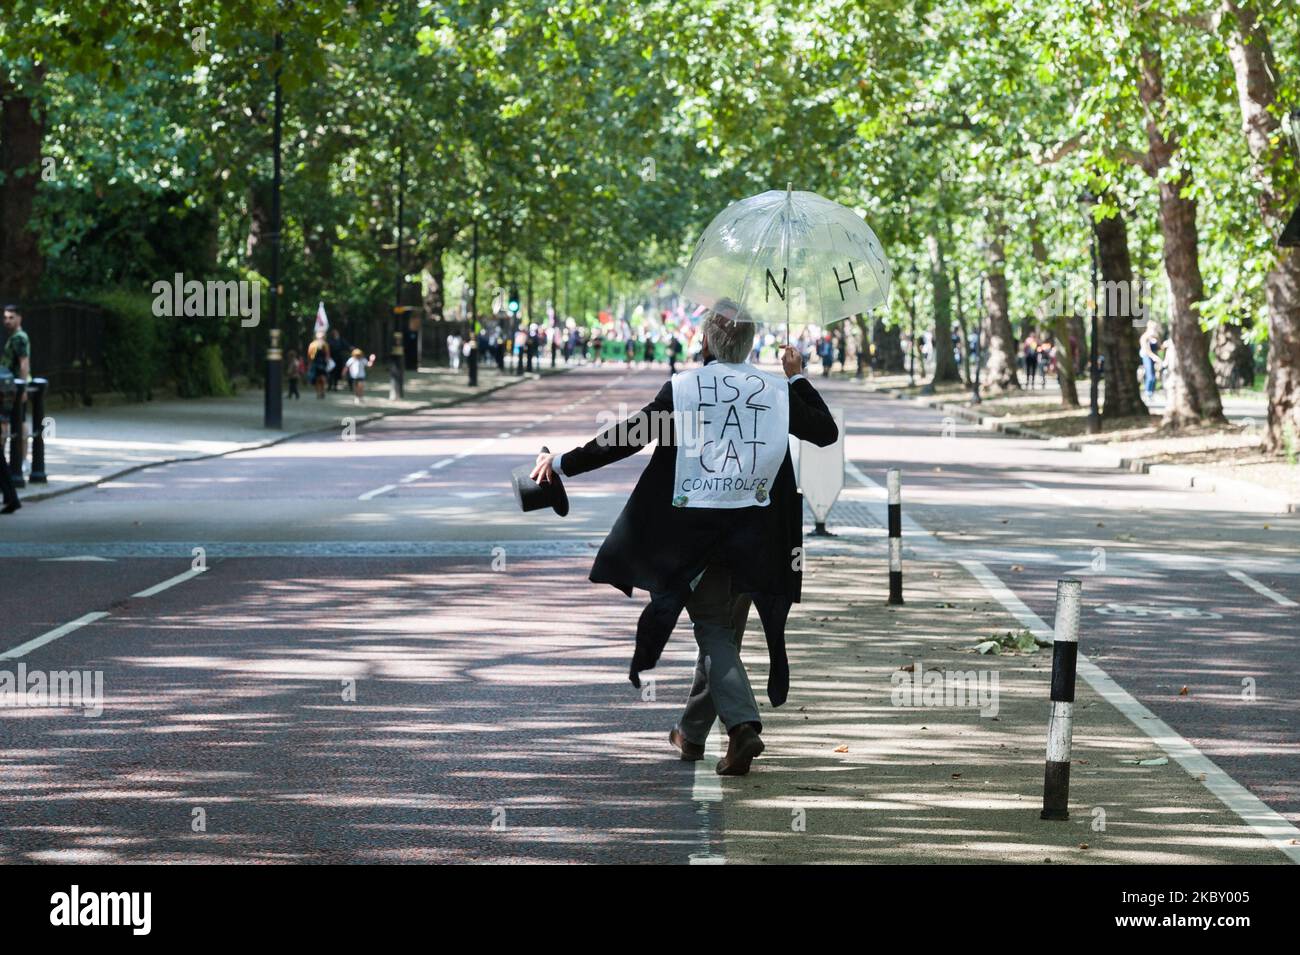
[
  {"x": 894, "y": 480},
  {"x": 37, "y": 392},
  {"x": 396, "y": 364},
  {"x": 1065, "y": 654},
  {"x": 17, "y": 439}
]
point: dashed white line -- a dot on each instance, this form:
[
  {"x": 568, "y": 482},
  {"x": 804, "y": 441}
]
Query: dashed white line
[
  {"x": 171, "y": 582},
  {"x": 708, "y": 784},
  {"x": 36, "y": 642},
  {"x": 377, "y": 491},
  {"x": 1259, "y": 588},
  {"x": 707, "y": 788}
]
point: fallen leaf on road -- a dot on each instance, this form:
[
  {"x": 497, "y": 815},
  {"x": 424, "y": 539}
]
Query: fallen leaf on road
[
  {"x": 842, "y": 749},
  {"x": 1017, "y": 568},
  {"x": 956, "y": 775},
  {"x": 910, "y": 668},
  {"x": 1083, "y": 845},
  {"x": 1183, "y": 691}
]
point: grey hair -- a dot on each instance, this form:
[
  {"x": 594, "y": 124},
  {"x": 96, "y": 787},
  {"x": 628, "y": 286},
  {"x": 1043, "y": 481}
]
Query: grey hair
[{"x": 729, "y": 331}]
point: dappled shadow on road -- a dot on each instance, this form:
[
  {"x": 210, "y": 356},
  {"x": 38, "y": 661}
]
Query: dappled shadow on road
[
  {"x": 330, "y": 711},
  {"x": 852, "y": 777}
]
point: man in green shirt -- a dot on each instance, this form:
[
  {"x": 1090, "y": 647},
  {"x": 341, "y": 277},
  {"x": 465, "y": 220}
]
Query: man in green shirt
[
  {"x": 18, "y": 347},
  {"x": 17, "y": 360}
]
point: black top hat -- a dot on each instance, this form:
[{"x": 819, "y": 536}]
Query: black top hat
[{"x": 533, "y": 496}]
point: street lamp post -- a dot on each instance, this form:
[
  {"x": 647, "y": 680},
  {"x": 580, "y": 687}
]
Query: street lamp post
[
  {"x": 911, "y": 342},
  {"x": 273, "y": 404},
  {"x": 1086, "y": 202},
  {"x": 395, "y": 383},
  {"x": 979, "y": 345}
]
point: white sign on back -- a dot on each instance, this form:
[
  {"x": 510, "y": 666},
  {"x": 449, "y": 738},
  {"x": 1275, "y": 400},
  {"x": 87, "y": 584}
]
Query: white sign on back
[{"x": 821, "y": 471}]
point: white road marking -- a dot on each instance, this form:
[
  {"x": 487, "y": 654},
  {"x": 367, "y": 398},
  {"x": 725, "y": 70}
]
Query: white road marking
[
  {"x": 855, "y": 472},
  {"x": 1013, "y": 604},
  {"x": 415, "y": 476},
  {"x": 171, "y": 582},
  {"x": 441, "y": 464},
  {"x": 708, "y": 784},
  {"x": 1246, "y": 805},
  {"x": 1259, "y": 588},
  {"x": 706, "y": 789},
  {"x": 82, "y": 558},
  {"x": 36, "y": 642},
  {"x": 1072, "y": 501},
  {"x": 377, "y": 491},
  {"x": 1249, "y": 808}
]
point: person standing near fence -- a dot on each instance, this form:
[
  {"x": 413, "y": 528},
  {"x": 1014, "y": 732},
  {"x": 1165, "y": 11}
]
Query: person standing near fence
[{"x": 17, "y": 361}]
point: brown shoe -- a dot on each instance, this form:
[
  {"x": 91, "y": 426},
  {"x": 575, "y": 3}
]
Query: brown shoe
[
  {"x": 743, "y": 745},
  {"x": 691, "y": 752}
]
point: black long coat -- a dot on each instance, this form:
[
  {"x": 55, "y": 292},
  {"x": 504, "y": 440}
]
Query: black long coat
[{"x": 660, "y": 548}]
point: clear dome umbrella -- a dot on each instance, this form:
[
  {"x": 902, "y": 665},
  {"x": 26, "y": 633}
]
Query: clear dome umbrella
[{"x": 789, "y": 257}]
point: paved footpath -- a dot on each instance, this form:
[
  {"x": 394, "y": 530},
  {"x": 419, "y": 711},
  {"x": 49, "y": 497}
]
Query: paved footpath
[
  {"x": 356, "y": 649},
  {"x": 85, "y": 446}
]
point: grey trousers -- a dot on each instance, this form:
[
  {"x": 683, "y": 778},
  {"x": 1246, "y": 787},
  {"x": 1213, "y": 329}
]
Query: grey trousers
[{"x": 721, "y": 687}]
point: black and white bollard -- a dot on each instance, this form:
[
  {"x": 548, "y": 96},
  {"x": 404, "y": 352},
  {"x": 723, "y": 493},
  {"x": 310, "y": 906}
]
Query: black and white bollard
[
  {"x": 894, "y": 480},
  {"x": 1065, "y": 654}
]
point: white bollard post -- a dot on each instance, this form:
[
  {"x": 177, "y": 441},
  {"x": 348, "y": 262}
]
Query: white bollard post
[
  {"x": 894, "y": 480},
  {"x": 1065, "y": 654}
]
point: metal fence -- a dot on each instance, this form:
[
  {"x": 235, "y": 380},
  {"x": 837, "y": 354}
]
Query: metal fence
[{"x": 67, "y": 347}]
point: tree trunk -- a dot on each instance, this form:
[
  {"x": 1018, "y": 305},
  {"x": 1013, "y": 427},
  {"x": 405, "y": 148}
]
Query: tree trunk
[
  {"x": 1119, "y": 339},
  {"x": 1231, "y": 357},
  {"x": 862, "y": 346},
  {"x": 965, "y": 368},
  {"x": 999, "y": 337},
  {"x": 1057, "y": 319},
  {"x": 1276, "y": 177},
  {"x": 889, "y": 347},
  {"x": 945, "y": 363},
  {"x": 22, "y": 130},
  {"x": 435, "y": 302},
  {"x": 1194, "y": 396}
]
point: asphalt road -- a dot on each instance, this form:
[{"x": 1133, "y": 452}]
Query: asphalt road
[{"x": 382, "y": 660}]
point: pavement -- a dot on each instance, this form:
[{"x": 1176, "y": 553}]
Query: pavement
[
  {"x": 85, "y": 446},
  {"x": 356, "y": 649},
  {"x": 1145, "y": 455}
]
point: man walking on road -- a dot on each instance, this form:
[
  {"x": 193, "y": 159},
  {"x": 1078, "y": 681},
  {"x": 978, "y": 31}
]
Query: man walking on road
[{"x": 715, "y": 522}]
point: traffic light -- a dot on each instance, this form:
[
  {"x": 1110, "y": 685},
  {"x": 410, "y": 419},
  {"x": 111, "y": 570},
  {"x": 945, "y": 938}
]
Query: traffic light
[{"x": 512, "y": 303}]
